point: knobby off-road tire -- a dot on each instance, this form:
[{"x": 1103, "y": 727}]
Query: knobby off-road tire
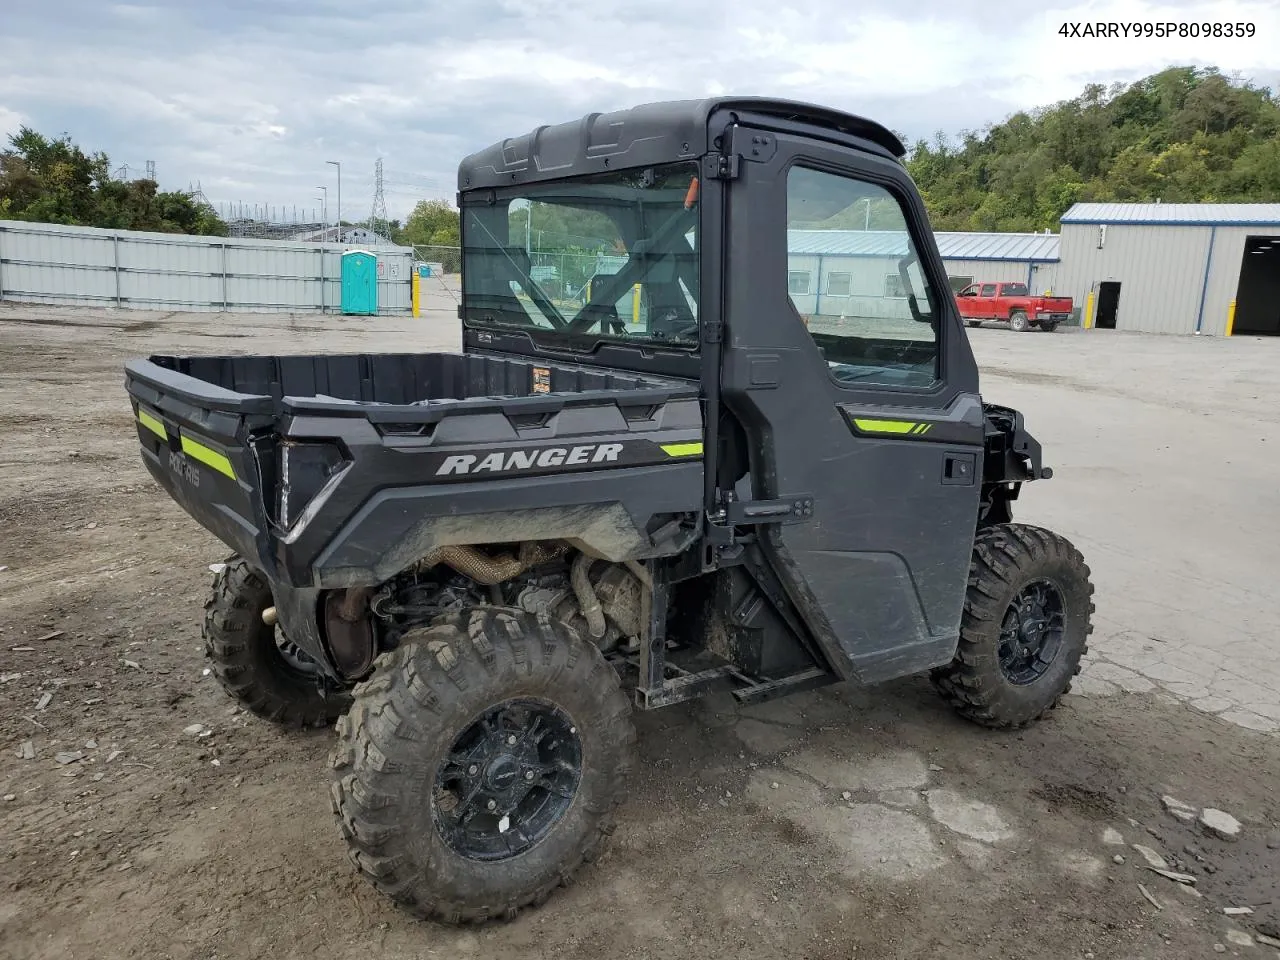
[
  {"x": 1013, "y": 561},
  {"x": 403, "y": 771},
  {"x": 1018, "y": 321},
  {"x": 248, "y": 662}
]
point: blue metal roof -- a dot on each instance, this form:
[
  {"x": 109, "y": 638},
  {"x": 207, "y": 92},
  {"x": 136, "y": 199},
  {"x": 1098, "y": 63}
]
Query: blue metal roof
[
  {"x": 1019, "y": 247},
  {"x": 1176, "y": 214}
]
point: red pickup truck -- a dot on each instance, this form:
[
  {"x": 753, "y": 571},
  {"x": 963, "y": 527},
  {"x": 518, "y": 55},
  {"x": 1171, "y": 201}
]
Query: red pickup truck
[{"x": 1012, "y": 302}]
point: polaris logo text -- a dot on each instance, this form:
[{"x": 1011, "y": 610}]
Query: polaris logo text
[{"x": 469, "y": 463}]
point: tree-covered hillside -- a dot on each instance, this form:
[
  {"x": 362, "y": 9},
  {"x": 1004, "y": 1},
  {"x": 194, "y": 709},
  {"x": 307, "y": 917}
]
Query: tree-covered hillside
[{"x": 1185, "y": 135}]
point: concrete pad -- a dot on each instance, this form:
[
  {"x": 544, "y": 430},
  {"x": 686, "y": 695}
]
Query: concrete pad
[
  {"x": 969, "y": 817},
  {"x": 872, "y": 839},
  {"x": 897, "y": 771}
]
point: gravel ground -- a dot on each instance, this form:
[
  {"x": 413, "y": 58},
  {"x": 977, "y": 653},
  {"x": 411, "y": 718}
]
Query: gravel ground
[{"x": 842, "y": 823}]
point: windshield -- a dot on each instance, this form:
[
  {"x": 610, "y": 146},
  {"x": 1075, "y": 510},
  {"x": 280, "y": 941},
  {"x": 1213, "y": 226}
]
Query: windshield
[{"x": 610, "y": 257}]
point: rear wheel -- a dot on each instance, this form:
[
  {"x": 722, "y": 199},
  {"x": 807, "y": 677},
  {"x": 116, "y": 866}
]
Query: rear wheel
[
  {"x": 1018, "y": 321},
  {"x": 1048, "y": 326},
  {"x": 254, "y": 663},
  {"x": 1025, "y": 627},
  {"x": 482, "y": 764}
]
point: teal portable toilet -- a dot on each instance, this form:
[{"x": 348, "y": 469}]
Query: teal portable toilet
[{"x": 359, "y": 282}]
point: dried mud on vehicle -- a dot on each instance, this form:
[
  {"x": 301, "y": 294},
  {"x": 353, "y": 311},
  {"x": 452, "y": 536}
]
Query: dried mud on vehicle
[{"x": 951, "y": 842}]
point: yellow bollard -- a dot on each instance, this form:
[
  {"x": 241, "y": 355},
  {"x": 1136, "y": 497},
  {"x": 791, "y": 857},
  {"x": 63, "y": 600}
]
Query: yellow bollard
[
  {"x": 635, "y": 304},
  {"x": 1231, "y": 318},
  {"x": 416, "y": 288},
  {"x": 1088, "y": 311}
]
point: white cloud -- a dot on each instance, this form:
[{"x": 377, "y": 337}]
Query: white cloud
[
  {"x": 252, "y": 98},
  {"x": 10, "y": 122}
]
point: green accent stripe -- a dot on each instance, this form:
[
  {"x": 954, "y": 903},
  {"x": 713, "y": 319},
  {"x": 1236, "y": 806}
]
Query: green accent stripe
[
  {"x": 209, "y": 457},
  {"x": 152, "y": 423},
  {"x": 886, "y": 426},
  {"x": 682, "y": 449}
]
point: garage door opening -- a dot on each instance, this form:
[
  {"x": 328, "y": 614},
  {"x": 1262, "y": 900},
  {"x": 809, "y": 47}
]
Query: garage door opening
[
  {"x": 1258, "y": 296},
  {"x": 1108, "y": 305}
]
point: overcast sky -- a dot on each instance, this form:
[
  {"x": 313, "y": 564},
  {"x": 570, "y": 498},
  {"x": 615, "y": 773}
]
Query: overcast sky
[{"x": 251, "y": 97}]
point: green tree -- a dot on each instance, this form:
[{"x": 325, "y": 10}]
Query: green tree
[
  {"x": 54, "y": 181},
  {"x": 432, "y": 223}
]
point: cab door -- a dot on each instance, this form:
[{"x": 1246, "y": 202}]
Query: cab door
[
  {"x": 988, "y": 302},
  {"x": 869, "y": 407}
]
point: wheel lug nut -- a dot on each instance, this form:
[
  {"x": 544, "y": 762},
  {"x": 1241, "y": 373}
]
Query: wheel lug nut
[
  {"x": 528, "y": 774},
  {"x": 493, "y": 804},
  {"x": 511, "y": 740},
  {"x": 473, "y": 770}
]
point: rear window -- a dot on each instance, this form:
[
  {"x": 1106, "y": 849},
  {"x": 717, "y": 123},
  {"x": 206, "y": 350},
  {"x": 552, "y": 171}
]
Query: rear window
[{"x": 1015, "y": 289}]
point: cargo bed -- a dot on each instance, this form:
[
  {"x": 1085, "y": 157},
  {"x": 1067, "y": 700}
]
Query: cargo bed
[{"x": 331, "y": 470}]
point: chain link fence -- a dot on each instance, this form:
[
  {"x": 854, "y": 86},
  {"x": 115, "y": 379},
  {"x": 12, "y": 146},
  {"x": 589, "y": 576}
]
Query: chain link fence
[{"x": 447, "y": 259}]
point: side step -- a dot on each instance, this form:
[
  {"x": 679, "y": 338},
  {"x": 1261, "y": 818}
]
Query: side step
[{"x": 679, "y": 684}]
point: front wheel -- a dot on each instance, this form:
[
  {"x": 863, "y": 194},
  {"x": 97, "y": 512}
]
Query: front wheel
[
  {"x": 482, "y": 764},
  {"x": 1025, "y": 627},
  {"x": 1018, "y": 321}
]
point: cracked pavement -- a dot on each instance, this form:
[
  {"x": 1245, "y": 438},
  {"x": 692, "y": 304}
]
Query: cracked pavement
[{"x": 1166, "y": 452}]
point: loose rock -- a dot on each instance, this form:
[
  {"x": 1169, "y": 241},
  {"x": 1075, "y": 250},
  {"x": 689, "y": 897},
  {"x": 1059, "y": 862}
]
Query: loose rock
[
  {"x": 1112, "y": 837},
  {"x": 1153, "y": 859},
  {"x": 1237, "y": 911},
  {"x": 10, "y": 797},
  {"x": 1117, "y": 859},
  {"x": 1266, "y": 941},
  {"x": 91, "y": 744},
  {"x": 934, "y": 768},
  {"x": 846, "y": 795},
  {"x": 27, "y": 751},
  {"x": 113, "y": 754},
  {"x": 1239, "y": 938},
  {"x": 194, "y": 729},
  {"x": 1221, "y": 825},
  {"x": 1176, "y": 808},
  {"x": 1219, "y": 948},
  {"x": 46, "y": 698},
  {"x": 131, "y": 663},
  {"x": 69, "y": 757}
]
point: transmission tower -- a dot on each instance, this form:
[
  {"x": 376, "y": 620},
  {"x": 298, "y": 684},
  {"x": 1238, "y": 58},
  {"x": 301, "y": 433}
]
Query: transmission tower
[
  {"x": 378, "y": 218},
  {"x": 151, "y": 170}
]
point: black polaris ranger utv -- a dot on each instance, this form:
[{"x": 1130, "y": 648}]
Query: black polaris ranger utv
[{"x": 680, "y": 453}]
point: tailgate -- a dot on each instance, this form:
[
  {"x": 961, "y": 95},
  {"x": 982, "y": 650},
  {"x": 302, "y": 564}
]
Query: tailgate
[{"x": 195, "y": 440}]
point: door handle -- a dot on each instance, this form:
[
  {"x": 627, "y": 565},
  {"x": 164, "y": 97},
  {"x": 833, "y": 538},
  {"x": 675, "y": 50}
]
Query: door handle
[{"x": 959, "y": 469}]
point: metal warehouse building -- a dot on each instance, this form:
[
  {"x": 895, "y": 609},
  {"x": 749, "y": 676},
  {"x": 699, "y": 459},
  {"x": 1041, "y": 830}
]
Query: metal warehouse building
[
  {"x": 855, "y": 272},
  {"x": 1174, "y": 268}
]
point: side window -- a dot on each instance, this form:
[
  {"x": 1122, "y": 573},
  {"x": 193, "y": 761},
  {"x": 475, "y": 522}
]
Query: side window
[
  {"x": 839, "y": 284},
  {"x": 961, "y": 285},
  {"x": 988, "y": 290},
  {"x": 882, "y": 327}
]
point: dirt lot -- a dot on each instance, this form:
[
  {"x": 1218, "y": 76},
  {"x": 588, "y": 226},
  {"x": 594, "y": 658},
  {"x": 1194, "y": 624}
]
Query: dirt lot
[{"x": 845, "y": 823}]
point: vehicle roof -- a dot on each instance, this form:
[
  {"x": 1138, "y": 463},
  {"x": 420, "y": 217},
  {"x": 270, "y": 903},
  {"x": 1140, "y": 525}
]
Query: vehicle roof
[{"x": 649, "y": 133}]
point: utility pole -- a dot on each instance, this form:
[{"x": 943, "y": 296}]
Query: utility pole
[
  {"x": 339, "y": 166},
  {"x": 324, "y": 210}
]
